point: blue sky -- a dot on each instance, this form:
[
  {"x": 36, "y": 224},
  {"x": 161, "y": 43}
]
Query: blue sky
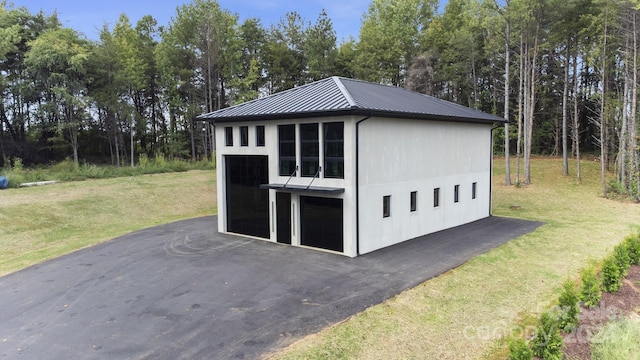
[{"x": 88, "y": 16}]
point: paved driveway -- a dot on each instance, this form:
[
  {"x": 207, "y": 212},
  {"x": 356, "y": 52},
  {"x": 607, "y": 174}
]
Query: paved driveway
[{"x": 184, "y": 291}]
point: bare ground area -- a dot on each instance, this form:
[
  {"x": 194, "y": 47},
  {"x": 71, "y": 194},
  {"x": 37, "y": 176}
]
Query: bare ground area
[{"x": 620, "y": 304}]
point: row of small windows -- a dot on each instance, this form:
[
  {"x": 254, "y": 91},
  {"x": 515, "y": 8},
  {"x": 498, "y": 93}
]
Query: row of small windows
[
  {"x": 413, "y": 206},
  {"x": 244, "y": 135}
]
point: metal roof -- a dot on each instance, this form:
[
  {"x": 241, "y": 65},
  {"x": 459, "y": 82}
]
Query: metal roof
[{"x": 343, "y": 96}]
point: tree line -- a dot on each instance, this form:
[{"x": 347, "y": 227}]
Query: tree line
[{"x": 564, "y": 72}]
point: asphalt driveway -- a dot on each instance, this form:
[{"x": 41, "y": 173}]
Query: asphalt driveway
[{"x": 184, "y": 291}]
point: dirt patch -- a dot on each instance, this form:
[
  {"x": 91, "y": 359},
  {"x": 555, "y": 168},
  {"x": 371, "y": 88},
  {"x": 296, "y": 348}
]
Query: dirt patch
[{"x": 612, "y": 306}]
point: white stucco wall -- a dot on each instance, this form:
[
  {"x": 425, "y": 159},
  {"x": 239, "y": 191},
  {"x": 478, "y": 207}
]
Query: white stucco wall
[{"x": 400, "y": 156}]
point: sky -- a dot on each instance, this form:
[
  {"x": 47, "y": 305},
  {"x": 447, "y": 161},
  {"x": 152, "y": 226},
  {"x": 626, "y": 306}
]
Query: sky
[{"x": 89, "y": 16}]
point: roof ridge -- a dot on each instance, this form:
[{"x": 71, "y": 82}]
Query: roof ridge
[{"x": 345, "y": 92}]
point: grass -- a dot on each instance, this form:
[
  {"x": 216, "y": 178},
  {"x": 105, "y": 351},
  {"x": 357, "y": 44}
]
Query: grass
[
  {"x": 41, "y": 223},
  {"x": 617, "y": 340},
  {"x": 67, "y": 171},
  {"x": 467, "y": 312}
]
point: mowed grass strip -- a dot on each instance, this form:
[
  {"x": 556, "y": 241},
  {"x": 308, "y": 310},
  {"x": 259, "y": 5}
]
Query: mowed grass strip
[
  {"x": 41, "y": 223},
  {"x": 465, "y": 313}
]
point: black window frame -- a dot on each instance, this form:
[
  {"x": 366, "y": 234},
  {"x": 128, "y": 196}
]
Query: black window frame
[
  {"x": 414, "y": 201},
  {"x": 386, "y": 206},
  {"x": 286, "y": 149},
  {"x": 309, "y": 149},
  {"x": 333, "y": 141},
  {"x": 456, "y": 193},
  {"x": 244, "y": 136},
  {"x": 436, "y": 197},
  {"x": 474, "y": 189},
  {"x": 228, "y": 136},
  {"x": 260, "y": 135}
]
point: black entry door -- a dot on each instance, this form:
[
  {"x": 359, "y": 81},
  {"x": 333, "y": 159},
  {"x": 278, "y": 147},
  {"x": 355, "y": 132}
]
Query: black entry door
[
  {"x": 283, "y": 205},
  {"x": 247, "y": 204}
]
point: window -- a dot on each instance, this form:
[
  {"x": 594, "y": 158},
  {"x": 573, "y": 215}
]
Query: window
[
  {"x": 287, "y": 148},
  {"x": 309, "y": 149},
  {"x": 244, "y": 136},
  {"x": 436, "y": 197},
  {"x": 260, "y": 135},
  {"x": 228, "y": 136},
  {"x": 473, "y": 190},
  {"x": 386, "y": 206},
  {"x": 414, "y": 201},
  {"x": 333, "y": 150},
  {"x": 456, "y": 193}
]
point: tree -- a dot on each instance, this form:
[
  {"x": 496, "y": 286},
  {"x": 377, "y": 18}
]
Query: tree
[
  {"x": 285, "y": 59},
  {"x": 389, "y": 38},
  {"x": 58, "y": 60},
  {"x": 104, "y": 93},
  {"x": 320, "y": 49},
  {"x": 147, "y": 100},
  {"x": 249, "y": 77},
  {"x": 196, "y": 57},
  {"x": 130, "y": 78},
  {"x": 345, "y": 58},
  {"x": 18, "y": 95}
]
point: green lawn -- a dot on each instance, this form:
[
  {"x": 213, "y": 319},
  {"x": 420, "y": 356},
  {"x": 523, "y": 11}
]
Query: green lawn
[
  {"x": 464, "y": 313},
  {"x": 40, "y": 223}
]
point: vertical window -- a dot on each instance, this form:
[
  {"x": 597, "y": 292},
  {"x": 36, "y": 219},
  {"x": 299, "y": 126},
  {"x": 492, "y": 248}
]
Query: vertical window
[
  {"x": 473, "y": 190},
  {"x": 309, "y": 149},
  {"x": 244, "y": 136},
  {"x": 414, "y": 201},
  {"x": 456, "y": 193},
  {"x": 228, "y": 136},
  {"x": 260, "y": 135},
  {"x": 436, "y": 197},
  {"x": 287, "y": 149},
  {"x": 333, "y": 150},
  {"x": 386, "y": 206}
]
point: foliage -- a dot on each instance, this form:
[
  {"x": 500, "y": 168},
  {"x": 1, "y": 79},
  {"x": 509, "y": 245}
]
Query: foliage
[
  {"x": 632, "y": 244},
  {"x": 617, "y": 340},
  {"x": 67, "y": 170},
  {"x": 389, "y": 37},
  {"x": 590, "y": 292},
  {"x": 519, "y": 349},
  {"x": 548, "y": 342},
  {"x": 568, "y": 307},
  {"x": 611, "y": 275},
  {"x": 622, "y": 259}
]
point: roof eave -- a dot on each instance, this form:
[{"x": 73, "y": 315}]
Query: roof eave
[
  {"x": 352, "y": 111},
  {"x": 282, "y": 116}
]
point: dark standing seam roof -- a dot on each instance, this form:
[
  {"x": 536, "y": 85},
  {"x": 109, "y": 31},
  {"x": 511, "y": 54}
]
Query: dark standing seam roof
[{"x": 342, "y": 96}]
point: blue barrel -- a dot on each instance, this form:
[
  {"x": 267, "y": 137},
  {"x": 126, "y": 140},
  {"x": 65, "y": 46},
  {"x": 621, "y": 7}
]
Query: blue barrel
[{"x": 3, "y": 182}]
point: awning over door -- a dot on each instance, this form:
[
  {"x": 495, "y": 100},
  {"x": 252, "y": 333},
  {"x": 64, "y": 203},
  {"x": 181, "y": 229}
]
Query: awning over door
[{"x": 303, "y": 188}]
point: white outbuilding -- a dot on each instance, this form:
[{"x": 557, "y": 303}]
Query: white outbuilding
[{"x": 349, "y": 166}]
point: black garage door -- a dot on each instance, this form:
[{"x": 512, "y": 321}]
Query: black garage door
[
  {"x": 247, "y": 204},
  {"x": 321, "y": 223}
]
